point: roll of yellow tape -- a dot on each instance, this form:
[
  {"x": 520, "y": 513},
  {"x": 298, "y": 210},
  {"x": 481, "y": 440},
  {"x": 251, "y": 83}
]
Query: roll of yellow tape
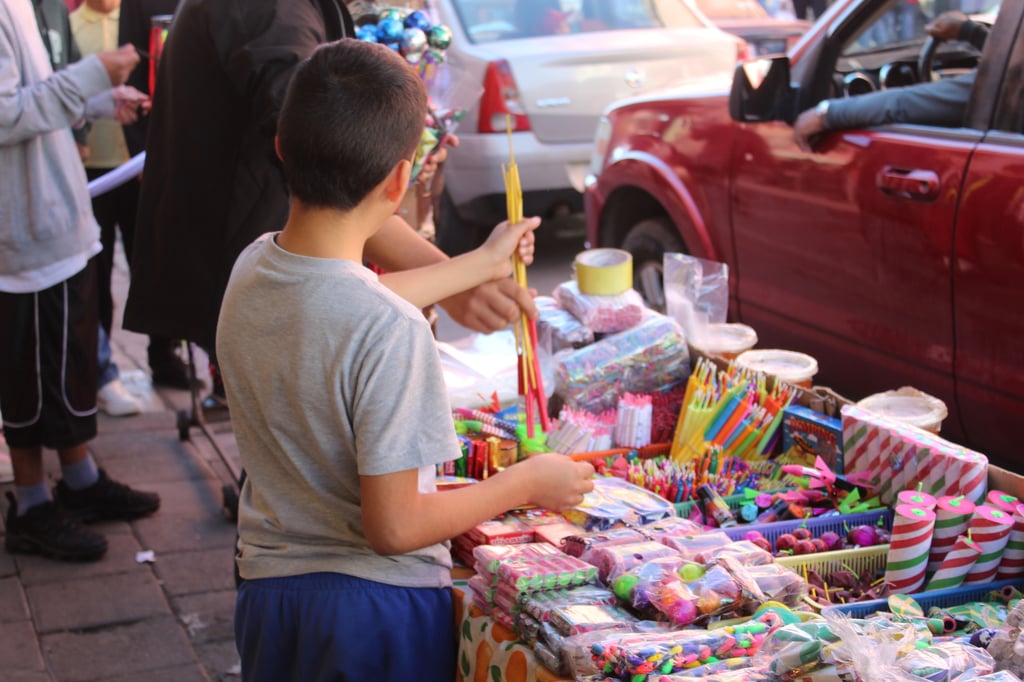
[{"x": 604, "y": 272}]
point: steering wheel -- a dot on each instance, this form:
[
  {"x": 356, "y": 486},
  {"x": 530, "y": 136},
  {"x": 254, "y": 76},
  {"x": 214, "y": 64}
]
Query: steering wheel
[{"x": 925, "y": 59}]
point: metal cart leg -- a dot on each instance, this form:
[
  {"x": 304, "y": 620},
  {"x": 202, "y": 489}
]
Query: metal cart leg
[{"x": 194, "y": 416}]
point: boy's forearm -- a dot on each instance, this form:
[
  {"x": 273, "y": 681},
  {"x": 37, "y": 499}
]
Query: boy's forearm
[
  {"x": 396, "y": 247},
  {"x": 432, "y": 283},
  {"x": 440, "y": 516}
]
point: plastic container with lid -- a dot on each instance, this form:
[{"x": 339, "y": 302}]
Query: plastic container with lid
[
  {"x": 908, "y": 405},
  {"x": 786, "y": 365},
  {"x": 727, "y": 339}
]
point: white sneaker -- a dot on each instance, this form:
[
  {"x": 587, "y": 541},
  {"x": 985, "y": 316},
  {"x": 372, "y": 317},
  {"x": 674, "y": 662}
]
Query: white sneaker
[{"x": 115, "y": 400}]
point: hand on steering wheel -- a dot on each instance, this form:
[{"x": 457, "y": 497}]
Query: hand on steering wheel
[{"x": 944, "y": 27}]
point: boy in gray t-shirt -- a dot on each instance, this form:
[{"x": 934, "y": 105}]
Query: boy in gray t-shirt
[{"x": 339, "y": 405}]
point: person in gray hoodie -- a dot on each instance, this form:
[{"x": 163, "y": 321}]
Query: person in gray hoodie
[{"x": 48, "y": 241}]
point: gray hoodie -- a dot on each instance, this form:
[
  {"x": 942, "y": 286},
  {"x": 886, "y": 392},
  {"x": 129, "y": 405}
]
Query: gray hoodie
[{"x": 45, "y": 213}]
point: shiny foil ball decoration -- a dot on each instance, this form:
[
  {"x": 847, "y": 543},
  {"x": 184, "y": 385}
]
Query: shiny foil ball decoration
[
  {"x": 414, "y": 42},
  {"x": 367, "y": 32},
  {"x": 439, "y": 36},
  {"x": 396, "y": 14},
  {"x": 389, "y": 31},
  {"x": 418, "y": 19}
]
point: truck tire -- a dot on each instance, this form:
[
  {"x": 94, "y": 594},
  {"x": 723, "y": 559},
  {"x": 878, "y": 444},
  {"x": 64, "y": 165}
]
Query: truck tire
[
  {"x": 454, "y": 235},
  {"x": 649, "y": 241}
]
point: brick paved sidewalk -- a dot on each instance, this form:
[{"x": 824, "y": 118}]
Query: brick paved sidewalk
[{"x": 118, "y": 619}]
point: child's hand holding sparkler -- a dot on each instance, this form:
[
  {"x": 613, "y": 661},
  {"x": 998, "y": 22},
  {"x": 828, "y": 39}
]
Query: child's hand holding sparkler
[{"x": 502, "y": 244}]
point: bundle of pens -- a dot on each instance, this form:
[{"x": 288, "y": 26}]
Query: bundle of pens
[
  {"x": 531, "y": 383},
  {"x": 679, "y": 482},
  {"x": 732, "y": 410}
]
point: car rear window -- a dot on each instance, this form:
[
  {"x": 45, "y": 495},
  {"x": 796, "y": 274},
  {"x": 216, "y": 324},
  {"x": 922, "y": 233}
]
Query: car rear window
[{"x": 486, "y": 21}]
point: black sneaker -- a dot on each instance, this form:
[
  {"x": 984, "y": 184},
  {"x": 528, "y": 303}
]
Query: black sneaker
[
  {"x": 46, "y": 531},
  {"x": 105, "y": 500}
]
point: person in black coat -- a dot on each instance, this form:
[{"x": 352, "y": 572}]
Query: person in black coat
[
  {"x": 166, "y": 367},
  {"x": 213, "y": 183}
]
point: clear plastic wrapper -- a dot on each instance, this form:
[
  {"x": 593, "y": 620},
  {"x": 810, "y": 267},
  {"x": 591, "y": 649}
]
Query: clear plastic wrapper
[
  {"x": 614, "y": 560},
  {"x": 614, "y": 501},
  {"x": 650, "y": 357},
  {"x": 636, "y": 586},
  {"x": 527, "y": 627},
  {"x": 603, "y": 314},
  {"x": 541, "y": 604},
  {"x": 576, "y": 545},
  {"x": 953, "y": 661},
  {"x": 673, "y": 526},
  {"x": 698, "y": 547},
  {"x": 530, "y": 574},
  {"x": 737, "y": 668},
  {"x": 629, "y": 655},
  {"x": 491, "y": 556},
  {"x": 743, "y": 551},
  {"x": 778, "y": 583},
  {"x": 572, "y": 620},
  {"x": 696, "y": 293},
  {"x": 549, "y": 659},
  {"x": 558, "y": 329}
]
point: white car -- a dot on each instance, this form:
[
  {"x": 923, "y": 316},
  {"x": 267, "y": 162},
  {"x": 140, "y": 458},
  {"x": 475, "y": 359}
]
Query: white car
[{"x": 554, "y": 65}]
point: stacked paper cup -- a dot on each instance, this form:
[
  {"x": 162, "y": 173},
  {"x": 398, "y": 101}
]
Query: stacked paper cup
[
  {"x": 1001, "y": 501},
  {"x": 952, "y": 514},
  {"x": 1012, "y": 564},
  {"x": 916, "y": 498},
  {"x": 908, "y": 548},
  {"x": 990, "y": 528},
  {"x": 958, "y": 563}
]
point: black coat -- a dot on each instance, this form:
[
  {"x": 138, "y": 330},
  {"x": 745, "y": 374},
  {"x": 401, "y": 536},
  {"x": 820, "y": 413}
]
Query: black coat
[{"x": 212, "y": 182}]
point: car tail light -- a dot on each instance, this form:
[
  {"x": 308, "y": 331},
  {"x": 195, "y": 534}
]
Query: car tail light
[
  {"x": 501, "y": 99},
  {"x": 743, "y": 51},
  {"x": 601, "y": 138}
]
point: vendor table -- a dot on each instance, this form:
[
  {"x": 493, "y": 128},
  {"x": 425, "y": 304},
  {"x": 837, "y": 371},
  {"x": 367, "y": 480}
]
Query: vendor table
[{"x": 489, "y": 651}]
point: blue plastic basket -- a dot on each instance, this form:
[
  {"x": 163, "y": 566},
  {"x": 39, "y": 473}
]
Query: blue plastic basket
[
  {"x": 943, "y": 599},
  {"x": 817, "y": 525}
]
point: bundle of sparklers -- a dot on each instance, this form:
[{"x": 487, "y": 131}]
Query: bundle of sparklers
[{"x": 531, "y": 383}]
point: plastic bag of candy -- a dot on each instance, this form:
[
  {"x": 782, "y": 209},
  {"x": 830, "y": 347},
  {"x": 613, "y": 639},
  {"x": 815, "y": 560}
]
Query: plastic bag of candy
[
  {"x": 650, "y": 357},
  {"x": 558, "y": 329}
]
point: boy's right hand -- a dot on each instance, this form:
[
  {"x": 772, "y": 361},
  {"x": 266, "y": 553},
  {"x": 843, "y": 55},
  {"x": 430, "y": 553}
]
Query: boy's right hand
[
  {"x": 119, "y": 63},
  {"x": 556, "y": 481}
]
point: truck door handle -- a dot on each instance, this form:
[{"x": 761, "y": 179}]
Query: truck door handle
[{"x": 909, "y": 183}]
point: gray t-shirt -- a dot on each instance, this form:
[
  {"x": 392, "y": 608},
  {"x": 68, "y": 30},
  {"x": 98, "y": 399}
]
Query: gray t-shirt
[{"x": 330, "y": 376}]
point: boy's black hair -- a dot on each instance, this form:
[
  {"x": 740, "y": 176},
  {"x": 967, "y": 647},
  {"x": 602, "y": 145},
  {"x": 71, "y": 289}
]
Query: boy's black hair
[{"x": 352, "y": 111}]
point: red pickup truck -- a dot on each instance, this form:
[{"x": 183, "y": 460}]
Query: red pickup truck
[{"x": 893, "y": 254}]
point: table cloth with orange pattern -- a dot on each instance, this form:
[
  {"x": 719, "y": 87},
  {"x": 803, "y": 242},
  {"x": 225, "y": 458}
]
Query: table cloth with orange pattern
[{"x": 489, "y": 651}]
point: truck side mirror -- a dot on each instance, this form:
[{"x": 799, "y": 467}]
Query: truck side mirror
[{"x": 761, "y": 91}]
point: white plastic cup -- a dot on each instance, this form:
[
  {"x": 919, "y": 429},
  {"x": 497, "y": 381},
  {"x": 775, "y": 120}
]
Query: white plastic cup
[
  {"x": 727, "y": 339},
  {"x": 786, "y": 365},
  {"x": 909, "y": 406}
]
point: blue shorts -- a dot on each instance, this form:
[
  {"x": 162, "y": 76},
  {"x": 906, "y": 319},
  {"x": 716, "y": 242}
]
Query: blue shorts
[{"x": 328, "y": 626}]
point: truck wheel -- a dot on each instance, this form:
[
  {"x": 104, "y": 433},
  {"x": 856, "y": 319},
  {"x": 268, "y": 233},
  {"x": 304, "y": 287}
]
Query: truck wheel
[
  {"x": 649, "y": 241},
  {"x": 454, "y": 235}
]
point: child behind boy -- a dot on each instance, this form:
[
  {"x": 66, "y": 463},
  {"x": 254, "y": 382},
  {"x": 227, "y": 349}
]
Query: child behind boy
[{"x": 339, "y": 405}]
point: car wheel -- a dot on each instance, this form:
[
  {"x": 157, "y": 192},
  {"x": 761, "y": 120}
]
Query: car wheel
[
  {"x": 649, "y": 241},
  {"x": 454, "y": 235}
]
